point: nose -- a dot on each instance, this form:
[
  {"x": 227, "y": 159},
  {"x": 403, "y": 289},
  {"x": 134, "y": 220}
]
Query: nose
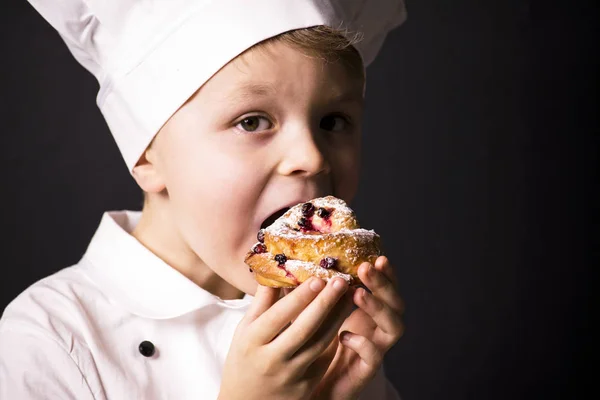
[{"x": 302, "y": 155}]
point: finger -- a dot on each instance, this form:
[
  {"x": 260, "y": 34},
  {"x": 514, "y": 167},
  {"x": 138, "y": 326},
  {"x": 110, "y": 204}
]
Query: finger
[
  {"x": 381, "y": 287},
  {"x": 309, "y": 321},
  {"x": 387, "y": 320},
  {"x": 285, "y": 292},
  {"x": 271, "y": 322},
  {"x": 321, "y": 364},
  {"x": 326, "y": 334},
  {"x": 264, "y": 298},
  {"x": 383, "y": 265},
  {"x": 371, "y": 357}
]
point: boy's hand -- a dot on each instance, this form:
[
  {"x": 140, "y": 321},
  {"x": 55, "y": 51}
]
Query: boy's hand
[
  {"x": 270, "y": 358},
  {"x": 369, "y": 332}
]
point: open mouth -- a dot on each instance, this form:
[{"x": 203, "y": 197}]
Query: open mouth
[{"x": 273, "y": 217}]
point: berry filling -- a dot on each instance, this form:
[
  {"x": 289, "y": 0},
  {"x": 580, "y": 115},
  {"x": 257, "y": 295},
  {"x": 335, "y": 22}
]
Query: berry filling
[
  {"x": 328, "y": 262},
  {"x": 287, "y": 273},
  {"x": 260, "y": 236},
  {"x": 308, "y": 222},
  {"x": 305, "y": 224},
  {"x": 259, "y": 248},
  {"x": 308, "y": 209},
  {"x": 324, "y": 213},
  {"x": 280, "y": 258}
]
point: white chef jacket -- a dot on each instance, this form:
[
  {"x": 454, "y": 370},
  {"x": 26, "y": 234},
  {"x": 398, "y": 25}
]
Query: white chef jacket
[{"x": 76, "y": 334}]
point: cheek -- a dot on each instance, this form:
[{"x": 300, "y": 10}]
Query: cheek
[
  {"x": 212, "y": 194},
  {"x": 345, "y": 167}
]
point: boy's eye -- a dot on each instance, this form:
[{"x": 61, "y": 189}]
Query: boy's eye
[
  {"x": 333, "y": 123},
  {"x": 255, "y": 123}
]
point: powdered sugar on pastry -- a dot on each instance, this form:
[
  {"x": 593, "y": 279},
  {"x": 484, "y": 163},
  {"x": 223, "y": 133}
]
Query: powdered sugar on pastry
[
  {"x": 319, "y": 238},
  {"x": 313, "y": 269}
]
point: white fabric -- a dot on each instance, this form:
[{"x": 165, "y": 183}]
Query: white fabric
[
  {"x": 75, "y": 334},
  {"x": 150, "y": 56}
]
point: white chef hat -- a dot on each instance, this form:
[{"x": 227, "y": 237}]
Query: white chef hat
[{"x": 150, "y": 56}]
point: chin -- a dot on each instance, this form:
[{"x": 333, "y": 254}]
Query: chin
[
  {"x": 246, "y": 284},
  {"x": 241, "y": 278}
]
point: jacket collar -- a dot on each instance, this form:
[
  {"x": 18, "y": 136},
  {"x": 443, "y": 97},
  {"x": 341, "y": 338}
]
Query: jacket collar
[{"x": 131, "y": 275}]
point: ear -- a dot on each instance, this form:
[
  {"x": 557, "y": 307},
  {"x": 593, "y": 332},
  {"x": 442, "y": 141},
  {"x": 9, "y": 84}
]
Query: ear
[{"x": 146, "y": 173}]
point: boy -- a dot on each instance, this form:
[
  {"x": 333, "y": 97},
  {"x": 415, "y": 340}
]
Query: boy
[{"x": 225, "y": 112}]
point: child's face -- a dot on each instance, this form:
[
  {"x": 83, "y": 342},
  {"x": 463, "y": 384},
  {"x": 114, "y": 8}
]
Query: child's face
[{"x": 271, "y": 129}]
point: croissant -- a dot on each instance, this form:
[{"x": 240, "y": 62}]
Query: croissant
[{"x": 320, "y": 238}]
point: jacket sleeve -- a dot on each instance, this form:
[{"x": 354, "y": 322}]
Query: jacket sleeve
[{"x": 33, "y": 366}]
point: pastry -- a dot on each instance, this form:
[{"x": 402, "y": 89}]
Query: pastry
[{"x": 319, "y": 238}]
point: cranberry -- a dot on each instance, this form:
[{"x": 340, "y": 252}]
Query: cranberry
[
  {"x": 261, "y": 236},
  {"x": 259, "y": 248},
  {"x": 328, "y": 262},
  {"x": 308, "y": 209},
  {"x": 280, "y": 258},
  {"x": 323, "y": 213}
]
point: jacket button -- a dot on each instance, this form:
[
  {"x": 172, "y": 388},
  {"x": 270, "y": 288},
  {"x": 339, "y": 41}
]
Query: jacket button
[{"x": 147, "y": 348}]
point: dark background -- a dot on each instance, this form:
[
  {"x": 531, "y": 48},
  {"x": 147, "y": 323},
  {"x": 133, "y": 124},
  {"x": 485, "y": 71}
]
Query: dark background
[{"x": 479, "y": 174}]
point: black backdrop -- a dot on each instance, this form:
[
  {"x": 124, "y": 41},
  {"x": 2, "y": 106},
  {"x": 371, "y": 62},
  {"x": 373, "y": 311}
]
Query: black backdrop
[{"x": 480, "y": 144}]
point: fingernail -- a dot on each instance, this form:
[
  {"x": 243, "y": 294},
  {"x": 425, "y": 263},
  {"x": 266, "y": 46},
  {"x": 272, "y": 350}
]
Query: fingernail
[
  {"x": 362, "y": 293},
  {"x": 338, "y": 284},
  {"x": 365, "y": 267},
  {"x": 345, "y": 337},
  {"x": 316, "y": 284}
]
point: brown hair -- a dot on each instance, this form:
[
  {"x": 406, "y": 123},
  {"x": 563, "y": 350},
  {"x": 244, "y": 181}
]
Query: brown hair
[{"x": 329, "y": 44}]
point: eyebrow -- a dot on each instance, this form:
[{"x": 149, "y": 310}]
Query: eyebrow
[
  {"x": 248, "y": 91},
  {"x": 348, "y": 97}
]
